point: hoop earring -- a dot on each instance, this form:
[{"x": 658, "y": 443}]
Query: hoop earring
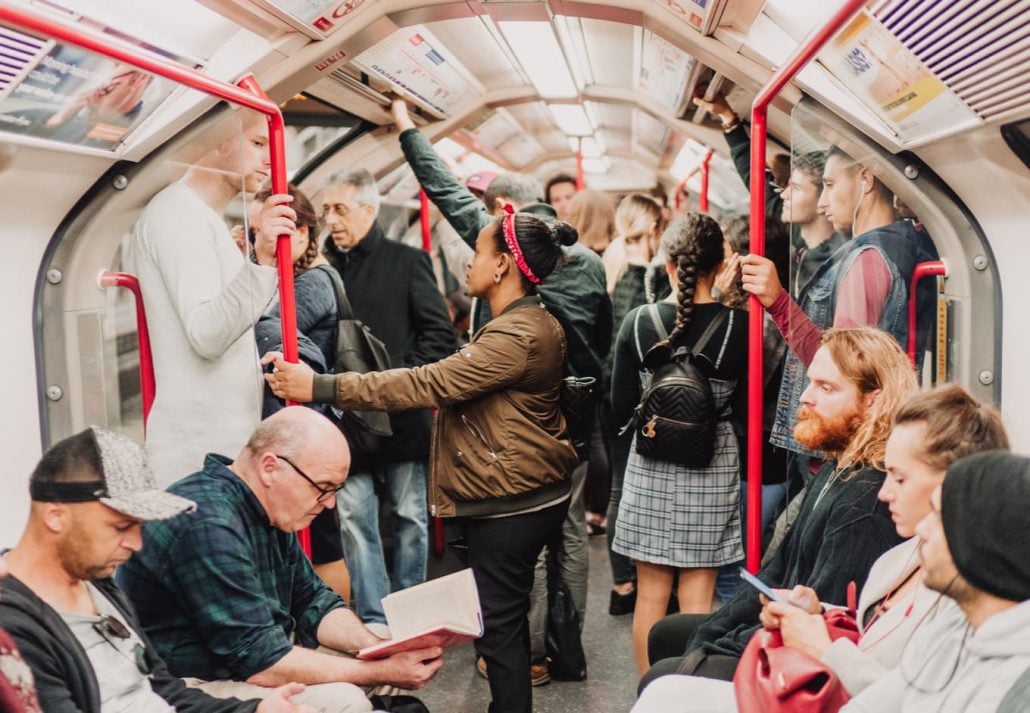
[{"x": 497, "y": 278}]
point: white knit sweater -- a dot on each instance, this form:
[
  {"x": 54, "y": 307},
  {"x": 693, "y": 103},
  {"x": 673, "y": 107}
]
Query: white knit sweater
[{"x": 202, "y": 299}]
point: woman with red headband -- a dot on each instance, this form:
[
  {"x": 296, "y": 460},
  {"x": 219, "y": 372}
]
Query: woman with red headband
[{"x": 501, "y": 455}]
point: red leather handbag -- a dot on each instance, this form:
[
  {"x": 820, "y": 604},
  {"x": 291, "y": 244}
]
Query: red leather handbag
[{"x": 772, "y": 678}]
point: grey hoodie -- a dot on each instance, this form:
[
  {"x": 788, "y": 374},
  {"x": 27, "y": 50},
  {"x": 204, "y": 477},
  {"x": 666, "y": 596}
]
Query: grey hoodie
[{"x": 949, "y": 668}]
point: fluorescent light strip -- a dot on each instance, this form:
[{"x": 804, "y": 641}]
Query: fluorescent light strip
[
  {"x": 541, "y": 58},
  {"x": 591, "y": 146},
  {"x": 570, "y": 32},
  {"x": 571, "y": 119}
]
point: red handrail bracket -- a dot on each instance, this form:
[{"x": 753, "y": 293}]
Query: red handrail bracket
[
  {"x": 923, "y": 269},
  {"x": 147, "y": 383},
  {"x": 804, "y": 54}
]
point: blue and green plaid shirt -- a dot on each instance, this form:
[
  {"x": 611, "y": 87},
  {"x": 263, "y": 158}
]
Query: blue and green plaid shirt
[{"x": 221, "y": 592}]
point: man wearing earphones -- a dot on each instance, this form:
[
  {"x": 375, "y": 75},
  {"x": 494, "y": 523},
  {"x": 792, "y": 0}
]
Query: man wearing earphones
[{"x": 865, "y": 283}]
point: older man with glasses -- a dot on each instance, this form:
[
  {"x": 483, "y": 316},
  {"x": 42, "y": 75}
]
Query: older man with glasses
[
  {"x": 76, "y": 631},
  {"x": 230, "y": 600}
]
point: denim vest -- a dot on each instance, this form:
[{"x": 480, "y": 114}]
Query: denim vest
[{"x": 902, "y": 246}]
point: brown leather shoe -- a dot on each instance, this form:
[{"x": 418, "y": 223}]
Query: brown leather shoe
[{"x": 539, "y": 673}]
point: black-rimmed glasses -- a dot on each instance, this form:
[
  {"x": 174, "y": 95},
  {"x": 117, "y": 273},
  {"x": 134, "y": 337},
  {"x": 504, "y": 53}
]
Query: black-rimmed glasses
[
  {"x": 108, "y": 627},
  {"x": 323, "y": 493}
]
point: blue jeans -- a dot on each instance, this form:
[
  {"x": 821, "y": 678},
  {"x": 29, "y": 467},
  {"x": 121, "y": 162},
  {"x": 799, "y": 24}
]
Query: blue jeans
[
  {"x": 405, "y": 490},
  {"x": 728, "y": 581}
]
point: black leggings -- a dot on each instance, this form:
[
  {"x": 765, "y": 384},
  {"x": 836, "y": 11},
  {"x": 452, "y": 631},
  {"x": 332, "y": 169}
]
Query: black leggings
[{"x": 666, "y": 651}]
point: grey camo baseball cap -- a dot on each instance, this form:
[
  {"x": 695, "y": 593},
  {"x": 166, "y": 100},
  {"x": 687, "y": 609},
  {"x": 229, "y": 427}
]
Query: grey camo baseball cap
[{"x": 127, "y": 483}]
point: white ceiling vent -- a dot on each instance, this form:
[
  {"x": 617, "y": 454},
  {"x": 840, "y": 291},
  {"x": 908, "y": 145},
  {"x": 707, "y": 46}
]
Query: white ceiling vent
[{"x": 979, "y": 48}]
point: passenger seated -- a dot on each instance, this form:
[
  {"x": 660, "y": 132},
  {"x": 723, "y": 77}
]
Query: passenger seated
[
  {"x": 970, "y": 552},
  {"x": 859, "y": 376},
  {"x": 17, "y": 686},
  {"x": 931, "y": 431},
  {"x": 229, "y": 598},
  {"x": 865, "y": 282},
  {"x": 203, "y": 298},
  {"x": 76, "y": 629}
]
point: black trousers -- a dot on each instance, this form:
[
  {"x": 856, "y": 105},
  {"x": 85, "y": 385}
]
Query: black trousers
[
  {"x": 666, "y": 651},
  {"x": 502, "y": 553}
]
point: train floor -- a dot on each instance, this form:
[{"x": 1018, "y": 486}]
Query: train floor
[{"x": 611, "y": 681}]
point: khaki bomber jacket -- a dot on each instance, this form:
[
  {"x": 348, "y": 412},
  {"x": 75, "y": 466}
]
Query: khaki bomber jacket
[{"x": 499, "y": 444}]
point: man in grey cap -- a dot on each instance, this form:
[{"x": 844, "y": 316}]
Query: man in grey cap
[
  {"x": 972, "y": 550},
  {"x": 76, "y": 630}
]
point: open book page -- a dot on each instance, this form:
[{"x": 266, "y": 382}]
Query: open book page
[{"x": 440, "y": 612}]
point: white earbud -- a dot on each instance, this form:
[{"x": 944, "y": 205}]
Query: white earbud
[{"x": 865, "y": 185}]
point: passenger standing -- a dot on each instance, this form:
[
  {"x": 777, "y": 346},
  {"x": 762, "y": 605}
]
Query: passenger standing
[
  {"x": 673, "y": 519},
  {"x": 202, "y": 300},
  {"x": 574, "y": 293},
  {"x": 501, "y": 455},
  {"x": 866, "y": 282},
  {"x": 317, "y": 316},
  {"x": 859, "y": 377},
  {"x": 559, "y": 192},
  {"x": 593, "y": 217},
  {"x": 626, "y": 260},
  {"x": 393, "y": 291}
]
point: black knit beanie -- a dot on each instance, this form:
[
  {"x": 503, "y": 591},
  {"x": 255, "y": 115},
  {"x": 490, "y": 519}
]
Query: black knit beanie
[{"x": 984, "y": 504}]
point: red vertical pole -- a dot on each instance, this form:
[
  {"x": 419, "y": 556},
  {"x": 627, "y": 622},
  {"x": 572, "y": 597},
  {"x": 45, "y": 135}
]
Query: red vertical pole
[
  {"x": 147, "y": 383},
  {"x": 581, "y": 181},
  {"x": 427, "y": 241},
  {"x": 702, "y": 200},
  {"x": 805, "y": 52}
]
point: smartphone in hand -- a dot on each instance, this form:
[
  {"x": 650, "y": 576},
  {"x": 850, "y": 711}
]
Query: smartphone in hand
[{"x": 761, "y": 586}]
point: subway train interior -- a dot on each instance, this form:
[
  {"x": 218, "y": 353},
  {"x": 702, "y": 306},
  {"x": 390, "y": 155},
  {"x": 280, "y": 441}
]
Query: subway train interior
[{"x": 932, "y": 97}]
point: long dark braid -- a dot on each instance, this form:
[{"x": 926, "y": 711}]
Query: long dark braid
[{"x": 694, "y": 243}]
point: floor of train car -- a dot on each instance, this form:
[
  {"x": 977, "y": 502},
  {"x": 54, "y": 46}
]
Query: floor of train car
[{"x": 611, "y": 681}]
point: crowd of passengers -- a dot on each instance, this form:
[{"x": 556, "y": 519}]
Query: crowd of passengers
[{"x": 172, "y": 579}]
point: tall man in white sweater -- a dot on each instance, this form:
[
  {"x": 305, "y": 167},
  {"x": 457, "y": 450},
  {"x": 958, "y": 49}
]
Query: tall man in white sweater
[{"x": 202, "y": 299}]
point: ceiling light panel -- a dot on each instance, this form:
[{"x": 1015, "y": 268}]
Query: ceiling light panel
[
  {"x": 573, "y": 38},
  {"x": 540, "y": 55},
  {"x": 572, "y": 119},
  {"x": 664, "y": 71}
]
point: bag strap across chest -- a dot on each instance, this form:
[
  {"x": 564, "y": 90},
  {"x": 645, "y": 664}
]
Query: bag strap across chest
[{"x": 343, "y": 308}]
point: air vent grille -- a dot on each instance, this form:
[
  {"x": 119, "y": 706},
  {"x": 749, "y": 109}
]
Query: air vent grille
[
  {"x": 17, "y": 52},
  {"x": 979, "y": 48}
]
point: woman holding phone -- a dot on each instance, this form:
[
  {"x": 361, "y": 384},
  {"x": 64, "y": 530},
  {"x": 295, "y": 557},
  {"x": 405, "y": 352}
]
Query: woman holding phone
[{"x": 501, "y": 455}]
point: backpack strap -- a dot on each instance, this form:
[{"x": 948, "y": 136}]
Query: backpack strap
[
  {"x": 706, "y": 336},
  {"x": 343, "y": 308},
  {"x": 656, "y": 319}
]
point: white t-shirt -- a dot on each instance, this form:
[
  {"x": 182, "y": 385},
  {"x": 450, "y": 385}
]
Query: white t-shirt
[
  {"x": 123, "y": 686},
  {"x": 202, "y": 299}
]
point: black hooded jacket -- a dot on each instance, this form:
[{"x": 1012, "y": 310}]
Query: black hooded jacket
[{"x": 65, "y": 680}]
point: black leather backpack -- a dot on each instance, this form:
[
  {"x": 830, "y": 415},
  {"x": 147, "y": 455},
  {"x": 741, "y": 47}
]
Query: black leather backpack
[{"x": 676, "y": 416}]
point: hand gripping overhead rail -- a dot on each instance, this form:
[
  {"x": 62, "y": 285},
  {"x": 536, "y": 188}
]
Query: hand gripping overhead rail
[
  {"x": 249, "y": 95},
  {"x": 759, "y": 128}
]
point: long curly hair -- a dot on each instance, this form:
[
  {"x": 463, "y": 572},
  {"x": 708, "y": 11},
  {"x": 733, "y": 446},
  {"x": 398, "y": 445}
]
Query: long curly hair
[
  {"x": 694, "y": 243},
  {"x": 872, "y": 360}
]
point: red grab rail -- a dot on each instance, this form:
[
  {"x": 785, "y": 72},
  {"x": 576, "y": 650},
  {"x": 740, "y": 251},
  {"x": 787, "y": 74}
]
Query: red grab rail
[
  {"x": 147, "y": 384},
  {"x": 249, "y": 96},
  {"x": 923, "y": 269},
  {"x": 702, "y": 200},
  {"x": 759, "y": 129}
]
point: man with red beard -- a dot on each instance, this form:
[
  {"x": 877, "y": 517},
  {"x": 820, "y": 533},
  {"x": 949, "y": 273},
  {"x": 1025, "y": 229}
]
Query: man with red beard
[{"x": 858, "y": 377}]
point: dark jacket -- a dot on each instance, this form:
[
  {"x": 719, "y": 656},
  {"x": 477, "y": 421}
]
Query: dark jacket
[
  {"x": 834, "y": 541},
  {"x": 65, "y": 680},
  {"x": 500, "y": 444},
  {"x": 392, "y": 290},
  {"x": 740, "y": 151},
  {"x": 575, "y": 293}
]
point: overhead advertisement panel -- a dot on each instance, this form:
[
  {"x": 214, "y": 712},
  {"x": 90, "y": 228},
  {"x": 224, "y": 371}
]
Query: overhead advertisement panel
[
  {"x": 416, "y": 64},
  {"x": 664, "y": 71},
  {"x": 315, "y": 18},
  {"x": 702, "y": 15},
  {"x": 63, "y": 93},
  {"x": 884, "y": 74}
]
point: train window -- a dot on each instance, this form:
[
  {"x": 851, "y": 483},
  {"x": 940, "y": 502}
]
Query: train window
[
  {"x": 863, "y": 225},
  {"x": 162, "y": 222}
]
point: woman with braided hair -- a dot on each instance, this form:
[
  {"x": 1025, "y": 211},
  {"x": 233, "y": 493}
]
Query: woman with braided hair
[{"x": 674, "y": 518}]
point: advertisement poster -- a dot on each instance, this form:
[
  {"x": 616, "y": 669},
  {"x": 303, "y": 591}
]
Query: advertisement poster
[
  {"x": 887, "y": 77},
  {"x": 63, "y": 93},
  {"x": 411, "y": 61},
  {"x": 663, "y": 70}
]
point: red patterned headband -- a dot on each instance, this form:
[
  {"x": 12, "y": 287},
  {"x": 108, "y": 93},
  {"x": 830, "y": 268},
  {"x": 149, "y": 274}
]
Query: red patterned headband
[{"x": 508, "y": 228}]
